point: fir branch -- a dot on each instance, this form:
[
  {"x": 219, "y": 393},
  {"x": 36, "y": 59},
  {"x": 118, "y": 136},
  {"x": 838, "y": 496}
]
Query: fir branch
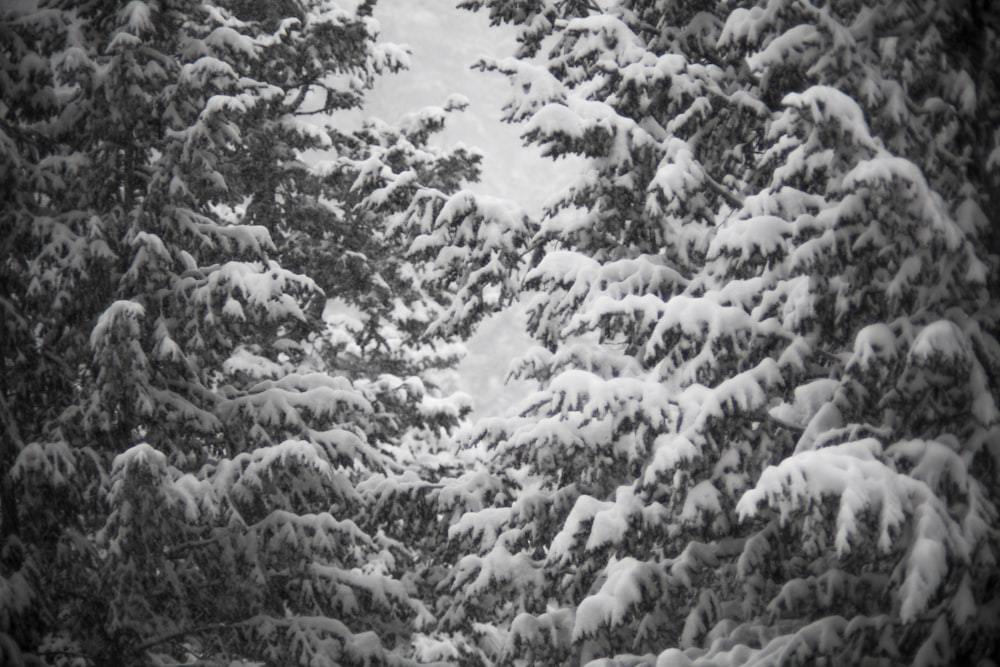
[
  {"x": 197, "y": 630},
  {"x": 178, "y": 551},
  {"x": 733, "y": 199}
]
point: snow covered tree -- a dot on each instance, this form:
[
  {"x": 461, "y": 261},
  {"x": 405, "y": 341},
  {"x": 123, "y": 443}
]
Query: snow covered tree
[
  {"x": 181, "y": 452},
  {"x": 399, "y": 201},
  {"x": 767, "y": 429},
  {"x": 455, "y": 256}
]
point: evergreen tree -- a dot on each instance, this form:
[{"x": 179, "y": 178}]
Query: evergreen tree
[
  {"x": 451, "y": 258},
  {"x": 345, "y": 231},
  {"x": 767, "y": 429},
  {"x": 182, "y": 440}
]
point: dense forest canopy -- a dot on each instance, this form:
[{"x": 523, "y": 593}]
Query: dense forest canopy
[{"x": 765, "y": 317}]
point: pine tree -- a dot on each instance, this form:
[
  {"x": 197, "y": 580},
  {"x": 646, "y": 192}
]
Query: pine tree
[
  {"x": 767, "y": 429},
  {"x": 346, "y": 231},
  {"x": 181, "y": 447},
  {"x": 450, "y": 257}
]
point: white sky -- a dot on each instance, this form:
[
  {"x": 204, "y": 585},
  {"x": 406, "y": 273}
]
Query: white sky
[{"x": 445, "y": 42}]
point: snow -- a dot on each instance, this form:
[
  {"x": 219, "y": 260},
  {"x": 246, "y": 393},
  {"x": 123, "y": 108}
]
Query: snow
[
  {"x": 498, "y": 567},
  {"x": 943, "y": 339},
  {"x": 763, "y": 235},
  {"x": 123, "y": 41},
  {"x": 53, "y": 461},
  {"x": 825, "y": 421},
  {"x": 244, "y": 361},
  {"x": 142, "y": 456},
  {"x": 17, "y": 597},
  {"x": 875, "y": 344},
  {"x": 484, "y": 526},
  {"x": 925, "y": 204},
  {"x": 701, "y": 498},
  {"x": 206, "y": 69},
  {"x": 532, "y": 86},
  {"x": 993, "y": 159},
  {"x": 669, "y": 451},
  {"x": 224, "y": 37},
  {"x": 432, "y": 649},
  {"x": 909, "y": 271},
  {"x": 232, "y": 308},
  {"x": 744, "y": 25},
  {"x": 381, "y": 590},
  {"x": 984, "y": 408},
  {"x": 306, "y": 129},
  {"x": 655, "y": 374},
  {"x": 695, "y": 316},
  {"x": 564, "y": 267},
  {"x": 677, "y": 178},
  {"x": 629, "y": 582},
  {"x": 801, "y": 41},
  {"x": 962, "y": 89},
  {"x": 267, "y": 289},
  {"x": 963, "y": 606},
  {"x": 610, "y": 524},
  {"x": 558, "y": 118},
  {"x": 826, "y": 104},
  {"x": 252, "y": 239},
  {"x": 743, "y": 393},
  {"x": 673, "y": 657},
  {"x": 123, "y": 314},
  {"x": 553, "y": 628},
  {"x": 926, "y": 563},
  {"x": 644, "y": 310},
  {"x": 563, "y": 544},
  {"x": 855, "y": 474},
  {"x": 935, "y": 463},
  {"x": 808, "y": 399},
  {"x": 936, "y": 648},
  {"x": 282, "y": 402},
  {"x": 605, "y": 34}
]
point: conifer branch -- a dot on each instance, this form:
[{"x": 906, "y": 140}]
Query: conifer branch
[
  {"x": 197, "y": 630},
  {"x": 784, "y": 424},
  {"x": 733, "y": 199},
  {"x": 178, "y": 550}
]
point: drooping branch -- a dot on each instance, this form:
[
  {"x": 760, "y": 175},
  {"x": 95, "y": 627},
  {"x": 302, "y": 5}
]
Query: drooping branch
[
  {"x": 186, "y": 632},
  {"x": 733, "y": 199}
]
